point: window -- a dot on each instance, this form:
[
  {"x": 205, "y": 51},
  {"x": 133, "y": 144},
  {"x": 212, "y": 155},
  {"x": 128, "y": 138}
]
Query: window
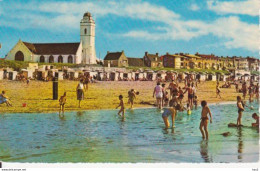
[
  {"x": 70, "y": 59},
  {"x": 19, "y": 56},
  {"x": 42, "y": 60},
  {"x": 85, "y": 31},
  {"x": 51, "y": 59},
  {"x": 60, "y": 59}
]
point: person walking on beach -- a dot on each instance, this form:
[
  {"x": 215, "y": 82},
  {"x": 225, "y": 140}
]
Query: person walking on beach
[
  {"x": 86, "y": 82},
  {"x": 218, "y": 90},
  {"x": 237, "y": 88},
  {"x": 80, "y": 92},
  {"x": 204, "y": 119},
  {"x": 158, "y": 94},
  {"x": 5, "y": 99},
  {"x": 240, "y": 106},
  {"x": 244, "y": 90},
  {"x": 62, "y": 102},
  {"x": 121, "y": 104}
]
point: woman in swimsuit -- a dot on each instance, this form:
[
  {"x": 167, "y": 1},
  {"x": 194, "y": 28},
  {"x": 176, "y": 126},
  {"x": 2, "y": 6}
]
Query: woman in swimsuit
[{"x": 158, "y": 92}]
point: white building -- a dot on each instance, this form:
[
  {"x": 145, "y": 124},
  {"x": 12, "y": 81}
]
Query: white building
[{"x": 82, "y": 52}]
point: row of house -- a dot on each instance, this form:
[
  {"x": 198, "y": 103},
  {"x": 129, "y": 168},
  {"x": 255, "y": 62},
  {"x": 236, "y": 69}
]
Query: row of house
[{"x": 182, "y": 60}]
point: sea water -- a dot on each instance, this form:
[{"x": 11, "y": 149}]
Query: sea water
[{"x": 103, "y": 136}]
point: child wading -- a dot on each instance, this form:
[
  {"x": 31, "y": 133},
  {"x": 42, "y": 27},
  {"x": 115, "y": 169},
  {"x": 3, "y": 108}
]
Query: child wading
[
  {"x": 62, "y": 102},
  {"x": 171, "y": 111},
  {"x": 204, "y": 119},
  {"x": 121, "y": 104}
]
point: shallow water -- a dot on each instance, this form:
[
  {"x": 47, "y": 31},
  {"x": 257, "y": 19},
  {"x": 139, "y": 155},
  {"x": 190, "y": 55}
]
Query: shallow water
[{"x": 102, "y": 136}]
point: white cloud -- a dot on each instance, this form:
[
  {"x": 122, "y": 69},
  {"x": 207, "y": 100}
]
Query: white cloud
[
  {"x": 170, "y": 26},
  {"x": 249, "y": 7},
  {"x": 194, "y": 7}
]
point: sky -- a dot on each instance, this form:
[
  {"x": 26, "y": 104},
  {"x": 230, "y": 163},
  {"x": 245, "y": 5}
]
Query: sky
[{"x": 220, "y": 27}]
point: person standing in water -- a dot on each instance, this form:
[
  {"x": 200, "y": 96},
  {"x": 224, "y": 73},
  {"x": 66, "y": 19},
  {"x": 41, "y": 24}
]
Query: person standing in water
[
  {"x": 80, "y": 92},
  {"x": 158, "y": 92},
  {"x": 204, "y": 119},
  {"x": 171, "y": 111},
  {"x": 190, "y": 95},
  {"x": 131, "y": 97},
  {"x": 240, "y": 106},
  {"x": 62, "y": 102},
  {"x": 121, "y": 104}
]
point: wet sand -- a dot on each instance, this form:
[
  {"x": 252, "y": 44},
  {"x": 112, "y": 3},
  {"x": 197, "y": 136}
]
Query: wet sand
[{"x": 102, "y": 95}]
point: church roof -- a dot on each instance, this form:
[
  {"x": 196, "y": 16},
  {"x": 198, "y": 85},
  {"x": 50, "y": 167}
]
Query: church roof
[
  {"x": 52, "y": 48},
  {"x": 113, "y": 56},
  {"x": 135, "y": 61}
]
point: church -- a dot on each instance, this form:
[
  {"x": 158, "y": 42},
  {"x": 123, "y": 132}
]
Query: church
[{"x": 82, "y": 52}]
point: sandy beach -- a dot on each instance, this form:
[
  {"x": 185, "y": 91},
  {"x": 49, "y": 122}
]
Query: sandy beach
[{"x": 101, "y": 95}]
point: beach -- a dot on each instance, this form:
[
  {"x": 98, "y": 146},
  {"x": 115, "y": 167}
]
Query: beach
[{"x": 101, "y": 95}]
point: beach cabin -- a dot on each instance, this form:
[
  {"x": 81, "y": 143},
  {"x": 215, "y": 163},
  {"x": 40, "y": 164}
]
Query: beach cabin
[
  {"x": 211, "y": 77},
  {"x": 12, "y": 75},
  {"x": 113, "y": 76},
  {"x": 1, "y": 75},
  {"x": 59, "y": 75},
  {"x": 100, "y": 76},
  {"x": 27, "y": 73}
]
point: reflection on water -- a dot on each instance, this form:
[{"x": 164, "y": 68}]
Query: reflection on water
[
  {"x": 240, "y": 143},
  {"x": 204, "y": 151},
  {"x": 139, "y": 136}
]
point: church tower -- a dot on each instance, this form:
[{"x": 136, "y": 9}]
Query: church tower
[{"x": 87, "y": 38}]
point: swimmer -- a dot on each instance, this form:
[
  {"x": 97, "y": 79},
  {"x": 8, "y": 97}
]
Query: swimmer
[{"x": 204, "y": 119}]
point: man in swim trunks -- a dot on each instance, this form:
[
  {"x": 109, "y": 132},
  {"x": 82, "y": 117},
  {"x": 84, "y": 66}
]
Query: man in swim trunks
[
  {"x": 240, "y": 106},
  {"x": 190, "y": 95},
  {"x": 204, "y": 119}
]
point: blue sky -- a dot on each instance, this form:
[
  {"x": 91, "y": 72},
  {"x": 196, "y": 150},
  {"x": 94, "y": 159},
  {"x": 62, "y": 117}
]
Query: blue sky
[{"x": 224, "y": 28}]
